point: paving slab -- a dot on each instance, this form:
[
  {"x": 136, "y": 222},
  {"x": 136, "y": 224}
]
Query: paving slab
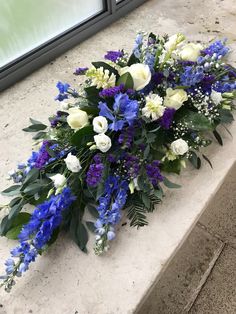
[
  {"x": 182, "y": 276},
  {"x": 220, "y": 216},
  {"x": 66, "y": 281},
  {"x": 218, "y": 296}
]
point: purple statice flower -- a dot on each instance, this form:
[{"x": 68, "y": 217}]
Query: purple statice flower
[
  {"x": 206, "y": 83},
  {"x": 114, "y": 55},
  {"x": 126, "y": 137},
  {"x": 36, "y": 233},
  {"x": 153, "y": 172},
  {"x": 63, "y": 89},
  {"x": 157, "y": 78},
  {"x": 217, "y": 48},
  {"x": 43, "y": 155},
  {"x": 80, "y": 71},
  {"x": 111, "y": 91},
  {"x": 125, "y": 111},
  {"x": 95, "y": 171},
  {"x": 111, "y": 158},
  {"x": 167, "y": 118},
  {"x": 192, "y": 75}
]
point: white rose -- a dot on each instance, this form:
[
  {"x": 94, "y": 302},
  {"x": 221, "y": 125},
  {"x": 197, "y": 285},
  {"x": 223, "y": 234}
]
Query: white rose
[
  {"x": 179, "y": 147},
  {"x": 103, "y": 142},
  {"x": 77, "y": 118},
  {"x": 58, "y": 180},
  {"x": 140, "y": 73},
  {"x": 175, "y": 98},
  {"x": 72, "y": 163},
  {"x": 100, "y": 124},
  {"x": 216, "y": 97},
  {"x": 190, "y": 52}
]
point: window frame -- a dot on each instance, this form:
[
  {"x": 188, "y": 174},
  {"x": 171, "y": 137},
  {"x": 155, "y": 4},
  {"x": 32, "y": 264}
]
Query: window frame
[{"x": 45, "y": 53}]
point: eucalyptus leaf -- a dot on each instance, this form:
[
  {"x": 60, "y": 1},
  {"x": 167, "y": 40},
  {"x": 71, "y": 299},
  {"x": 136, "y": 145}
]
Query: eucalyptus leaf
[
  {"x": 170, "y": 184},
  {"x": 12, "y": 190},
  {"x": 35, "y": 128}
]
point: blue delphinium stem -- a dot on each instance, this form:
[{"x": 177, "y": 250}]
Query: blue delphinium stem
[{"x": 35, "y": 235}]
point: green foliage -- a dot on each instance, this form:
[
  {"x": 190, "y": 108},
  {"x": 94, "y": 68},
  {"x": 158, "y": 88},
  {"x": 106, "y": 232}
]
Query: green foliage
[
  {"x": 127, "y": 80},
  {"x": 105, "y": 66},
  {"x": 82, "y": 136},
  {"x": 225, "y": 116},
  {"x": 195, "y": 160},
  {"x": 218, "y": 137},
  {"x": 196, "y": 121},
  {"x": 35, "y": 127},
  {"x": 170, "y": 184},
  {"x": 173, "y": 166},
  {"x": 17, "y": 224}
]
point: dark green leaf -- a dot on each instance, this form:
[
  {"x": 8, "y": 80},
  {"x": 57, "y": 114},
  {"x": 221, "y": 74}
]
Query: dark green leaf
[
  {"x": 35, "y": 128},
  {"x": 33, "y": 121},
  {"x": 39, "y": 135},
  {"x": 33, "y": 188},
  {"x": 171, "y": 166},
  {"x": 218, "y": 137},
  {"x": 90, "y": 226},
  {"x": 196, "y": 121},
  {"x": 31, "y": 177},
  {"x": 12, "y": 190},
  {"x": 14, "y": 232},
  {"x": 127, "y": 80},
  {"x": 170, "y": 184},
  {"x": 195, "y": 160},
  {"x": 14, "y": 211},
  {"x": 208, "y": 160},
  {"x": 226, "y": 116},
  {"x": 146, "y": 201},
  {"x": 132, "y": 60},
  {"x": 82, "y": 136},
  {"x": 105, "y": 67},
  {"x": 92, "y": 209}
]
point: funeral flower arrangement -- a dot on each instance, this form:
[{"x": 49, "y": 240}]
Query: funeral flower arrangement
[{"x": 113, "y": 141}]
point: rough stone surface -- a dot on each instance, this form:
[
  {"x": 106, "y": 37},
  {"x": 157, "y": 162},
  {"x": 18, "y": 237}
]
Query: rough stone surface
[
  {"x": 182, "y": 276},
  {"x": 66, "y": 280},
  {"x": 220, "y": 216},
  {"x": 218, "y": 296}
]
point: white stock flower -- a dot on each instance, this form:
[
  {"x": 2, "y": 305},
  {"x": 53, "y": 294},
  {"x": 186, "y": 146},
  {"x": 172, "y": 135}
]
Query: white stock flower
[
  {"x": 175, "y": 98},
  {"x": 72, "y": 163},
  {"x": 153, "y": 108},
  {"x": 190, "y": 52},
  {"x": 100, "y": 124},
  {"x": 140, "y": 73},
  {"x": 101, "y": 78},
  {"x": 103, "y": 142},
  {"x": 77, "y": 118},
  {"x": 216, "y": 97},
  {"x": 179, "y": 147},
  {"x": 59, "y": 180}
]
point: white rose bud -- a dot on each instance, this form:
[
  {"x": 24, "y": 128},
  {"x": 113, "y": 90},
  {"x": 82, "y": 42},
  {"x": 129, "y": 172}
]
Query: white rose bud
[
  {"x": 190, "y": 52},
  {"x": 72, "y": 163},
  {"x": 100, "y": 124},
  {"x": 140, "y": 73},
  {"x": 77, "y": 118},
  {"x": 179, "y": 147},
  {"x": 58, "y": 180},
  {"x": 175, "y": 98},
  {"x": 103, "y": 142}
]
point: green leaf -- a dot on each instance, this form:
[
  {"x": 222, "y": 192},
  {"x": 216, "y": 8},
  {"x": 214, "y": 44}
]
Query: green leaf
[
  {"x": 208, "y": 160},
  {"x": 171, "y": 166},
  {"x": 7, "y": 224},
  {"x": 35, "y": 128},
  {"x": 196, "y": 121},
  {"x": 17, "y": 224},
  {"x": 92, "y": 209},
  {"x": 12, "y": 190},
  {"x": 195, "y": 160},
  {"x": 91, "y": 226},
  {"x": 82, "y": 136},
  {"x": 33, "y": 121},
  {"x": 133, "y": 60},
  {"x": 13, "y": 232},
  {"x": 226, "y": 116},
  {"x": 16, "y": 208},
  {"x": 127, "y": 80},
  {"x": 146, "y": 201},
  {"x": 218, "y": 137},
  {"x": 170, "y": 184},
  {"x": 33, "y": 188},
  {"x": 39, "y": 135},
  {"x": 79, "y": 234},
  {"x": 105, "y": 67},
  {"x": 31, "y": 177}
]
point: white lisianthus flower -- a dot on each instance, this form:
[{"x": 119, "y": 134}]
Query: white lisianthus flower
[
  {"x": 179, "y": 147},
  {"x": 153, "y": 108},
  {"x": 100, "y": 124},
  {"x": 103, "y": 142},
  {"x": 140, "y": 73},
  {"x": 58, "y": 180},
  {"x": 77, "y": 118},
  {"x": 216, "y": 97},
  {"x": 190, "y": 52},
  {"x": 175, "y": 98},
  {"x": 72, "y": 163}
]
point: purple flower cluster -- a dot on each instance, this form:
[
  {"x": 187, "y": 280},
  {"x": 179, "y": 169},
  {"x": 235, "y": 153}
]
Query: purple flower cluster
[
  {"x": 80, "y": 71},
  {"x": 36, "y": 233},
  {"x": 114, "y": 55},
  {"x": 132, "y": 166},
  {"x": 153, "y": 172},
  {"x": 126, "y": 137},
  {"x": 111, "y": 91},
  {"x": 167, "y": 118},
  {"x": 94, "y": 174}
]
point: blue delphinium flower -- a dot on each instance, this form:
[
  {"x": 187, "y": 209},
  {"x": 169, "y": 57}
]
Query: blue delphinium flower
[
  {"x": 192, "y": 75},
  {"x": 36, "y": 234},
  {"x": 109, "y": 210},
  {"x": 114, "y": 55},
  {"x": 125, "y": 111},
  {"x": 63, "y": 89},
  {"x": 217, "y": 48},
  {"x": 224, "y": 86},
  {"x": 137, "y": 45}
]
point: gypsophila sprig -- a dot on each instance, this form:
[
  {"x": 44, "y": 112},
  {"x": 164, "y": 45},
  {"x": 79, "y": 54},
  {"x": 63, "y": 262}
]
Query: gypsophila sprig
[{"x": 112, "y": 142}]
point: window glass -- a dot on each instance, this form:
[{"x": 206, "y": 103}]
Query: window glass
[{"x": 26, "y": 24}]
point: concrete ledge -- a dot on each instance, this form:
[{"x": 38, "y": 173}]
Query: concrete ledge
[{"x": 65, "y": 280}]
